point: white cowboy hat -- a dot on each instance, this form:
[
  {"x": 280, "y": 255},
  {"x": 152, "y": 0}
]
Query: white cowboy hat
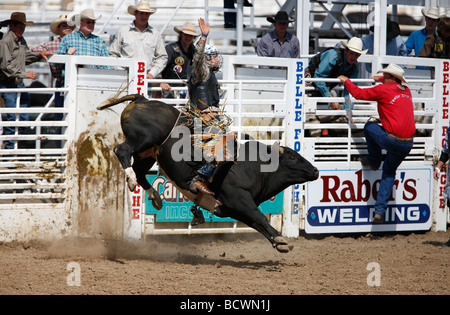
[
  {"x": 55, "y": 23},
  {"x": 395, "y": 70},
  {"x": 355, "y": 44},
  {"x": 187, "y": 28},
  {"x": 446, "y": 14},
  {"x": 89, "y": 14},
  {"x": 142, "y": 6},
  {"x": 432, "y": 13},
  {"x": 21, "y": 18}
]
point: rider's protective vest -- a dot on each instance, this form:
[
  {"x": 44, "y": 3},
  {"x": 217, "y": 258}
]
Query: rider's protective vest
[
  {"x": 336, "y": 70},
  {"x": 440, "y": 48},
  {"x": 205, "y": 92},
  {"x": 181, "y": 62}
]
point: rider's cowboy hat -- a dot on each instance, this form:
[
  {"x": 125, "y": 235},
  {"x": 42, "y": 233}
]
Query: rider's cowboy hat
[
  {"x": 187, "y": 28},
  {"x": 21, "y": 18},
  {"x": 142, "y": 6},
  {"x": 394, "y": 70},
  {"x": 280, "y": 17},
  {"x": 432, "y": 13},
  {"x": 355, "y": 44},
  {"x": 55, "y": 23}
]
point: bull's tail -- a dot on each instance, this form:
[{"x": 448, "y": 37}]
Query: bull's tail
[{"x": 115, "y": 100}]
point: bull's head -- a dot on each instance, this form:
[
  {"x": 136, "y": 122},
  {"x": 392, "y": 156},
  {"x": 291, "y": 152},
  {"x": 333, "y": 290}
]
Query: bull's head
[{"x": 295, "y": 168}]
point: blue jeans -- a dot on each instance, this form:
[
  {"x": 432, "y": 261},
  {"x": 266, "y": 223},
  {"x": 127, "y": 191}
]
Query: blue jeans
[
  {"x": 397, "y": 151},
  {"x": 10, "y": 102}
]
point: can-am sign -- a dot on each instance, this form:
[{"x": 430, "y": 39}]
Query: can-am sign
[{"x": 342, "y": 201}]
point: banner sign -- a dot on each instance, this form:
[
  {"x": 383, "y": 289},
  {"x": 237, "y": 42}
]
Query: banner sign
[
  {"x": 342, "y": 201},
  {"x": 176, "y": 207}
]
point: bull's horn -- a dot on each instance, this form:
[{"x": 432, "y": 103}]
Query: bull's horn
[
  {"x": 277, "y": 146},
  {"x": 114, "y": 101}
]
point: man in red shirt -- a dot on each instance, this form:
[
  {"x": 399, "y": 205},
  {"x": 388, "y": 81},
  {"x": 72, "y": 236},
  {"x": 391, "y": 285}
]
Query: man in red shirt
[{"x": 395, "y": 109}]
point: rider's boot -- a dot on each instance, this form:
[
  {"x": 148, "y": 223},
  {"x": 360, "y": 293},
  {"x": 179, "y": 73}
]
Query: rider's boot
[{"x": 198, "y": 184}]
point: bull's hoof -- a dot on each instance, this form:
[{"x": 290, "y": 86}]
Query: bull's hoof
[
  {"x": 131, "y": 178},
  {"x": 155, "y": 198},
  {"x": 282, "y": 248},
  {"x": 282, "y": 245}
]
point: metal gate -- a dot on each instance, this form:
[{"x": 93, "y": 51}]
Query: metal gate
[{"x": 61, "y": 179}]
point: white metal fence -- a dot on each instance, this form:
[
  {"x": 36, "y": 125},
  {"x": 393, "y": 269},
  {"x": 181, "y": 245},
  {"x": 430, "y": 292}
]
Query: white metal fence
[{"x": 268, "y": 104}]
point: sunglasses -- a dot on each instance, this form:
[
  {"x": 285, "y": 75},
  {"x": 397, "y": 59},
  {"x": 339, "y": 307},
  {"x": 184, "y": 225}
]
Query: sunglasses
[{"x": 88, "y": 22}]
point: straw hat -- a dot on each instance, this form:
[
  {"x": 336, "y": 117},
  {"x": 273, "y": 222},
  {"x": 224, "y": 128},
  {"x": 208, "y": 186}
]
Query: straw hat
[
  {"x": 142, "y": 6},
  {"x": 55, "y": 23},
  {"x": 187, "y": 28},
  {"x": 395, "y": 70},
  {"x": 21, "y": 18},
  {"x": 280, "y": 17},
  {"x": 432, "y": 13},
  {"x": 355, "y": 44}
]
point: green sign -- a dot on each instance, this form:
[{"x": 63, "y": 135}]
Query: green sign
[{"x": 176, "y": 207}]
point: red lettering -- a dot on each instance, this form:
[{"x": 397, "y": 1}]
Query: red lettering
[
  {"x": 441, "y": 191},
  {"x": 444, "y": 102},
  {"x": 136, "y": 213},
  {"x": 442, "y": 203},
  {"x": 410, "y": 187},
  {"x": 332, "y": 191},
  {"x": 136, "y": 201},
  {"x": 445, "y": 78},
  {"x": 444, "y": 113},
  {"x": 444, "y": 130},
  {"x": 140, "y": 79},
  {"x": 362, "y": 183},
  {"x": 348, "y": 187},
  {"x": 446, "y": 66},
  {"x": 141, "y": 67},
  {"x": 445, "y": 92},
  {"x": 139, "y": 91},
  {"x": 443, "y": 179}
]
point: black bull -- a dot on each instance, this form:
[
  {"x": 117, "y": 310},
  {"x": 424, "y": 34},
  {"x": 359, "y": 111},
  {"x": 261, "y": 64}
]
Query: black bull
[{"x": 239, "y": 187}]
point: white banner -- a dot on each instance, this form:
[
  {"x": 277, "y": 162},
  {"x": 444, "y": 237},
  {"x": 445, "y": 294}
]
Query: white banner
[{"x": 342, "y": 201}]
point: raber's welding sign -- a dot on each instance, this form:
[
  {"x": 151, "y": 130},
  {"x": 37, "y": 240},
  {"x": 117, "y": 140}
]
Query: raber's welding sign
[{"x": 342, "y": 201}]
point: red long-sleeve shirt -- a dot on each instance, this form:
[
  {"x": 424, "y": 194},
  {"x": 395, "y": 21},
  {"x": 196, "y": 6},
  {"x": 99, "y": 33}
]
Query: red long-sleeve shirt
[{"x": 395, "y": 106}]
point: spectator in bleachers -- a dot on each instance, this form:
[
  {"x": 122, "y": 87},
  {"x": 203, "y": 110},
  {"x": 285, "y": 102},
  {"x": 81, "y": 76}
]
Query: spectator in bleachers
[
  {"x": 141, "y": 41},
  {"x": 60, "y": 27},
  {"x": 417, "y": 38},
  {"x": 180, "y": 54},
  {"x": 333, "y": 62},
  {"x": 14, "y": 55},
  {"x": 437, "y": 45},
  {"x": 279, "y": 43},
  {"x": 83, "y": 42},
  {"x": 229, "y": 18},
  {"x": 394, "y": 42}
]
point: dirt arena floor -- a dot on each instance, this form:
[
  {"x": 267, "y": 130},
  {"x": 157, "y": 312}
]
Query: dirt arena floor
[{"x": 407, "y": 263}]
